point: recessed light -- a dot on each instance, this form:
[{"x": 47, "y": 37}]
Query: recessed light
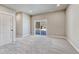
[{"x": 58, "y": 5}]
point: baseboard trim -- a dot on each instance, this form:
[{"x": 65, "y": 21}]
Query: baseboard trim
[
  {"x": 25, "y": 35},
  {"x": 57, "y": 36},
  {"x": 73, "y": 45},
  {"x": 18, "y": 35},
  {"x": 22, "y": 36}
]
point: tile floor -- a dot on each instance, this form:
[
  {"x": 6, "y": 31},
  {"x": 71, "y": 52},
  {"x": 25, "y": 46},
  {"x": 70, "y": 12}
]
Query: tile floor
[{"x": 38, "y": 45}]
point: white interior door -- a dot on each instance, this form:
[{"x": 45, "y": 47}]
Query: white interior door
[{"x": 6, "y": 32}]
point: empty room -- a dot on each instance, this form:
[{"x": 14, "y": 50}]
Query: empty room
[{"x": 39, "y": 29}]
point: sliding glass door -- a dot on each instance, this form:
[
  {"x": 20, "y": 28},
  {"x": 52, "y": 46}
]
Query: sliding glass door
[{"x": 40, "y": 27}]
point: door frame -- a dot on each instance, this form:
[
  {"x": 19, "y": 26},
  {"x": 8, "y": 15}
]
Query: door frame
[
  {"x": 13, "y": 23},
  {"x": 40, "y": 20}
]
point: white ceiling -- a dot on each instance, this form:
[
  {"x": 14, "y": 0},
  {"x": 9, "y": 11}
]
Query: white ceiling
[{"x": 36, "y": 8}]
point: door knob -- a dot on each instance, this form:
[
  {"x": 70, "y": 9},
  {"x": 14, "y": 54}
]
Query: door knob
[{"x": 11, "y": 29}]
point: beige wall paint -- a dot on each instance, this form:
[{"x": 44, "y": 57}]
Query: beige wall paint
[
  {"x": 55, "y": 22},
  {"x": 72, "y": 15},
  {"x": 19, "y": 24},
  {"x": 31, "y": 25}
]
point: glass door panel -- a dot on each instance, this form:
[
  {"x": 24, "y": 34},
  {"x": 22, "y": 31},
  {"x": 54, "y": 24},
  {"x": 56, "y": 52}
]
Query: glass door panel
[
  {"x": 43, "y": 28},
  {"x": 37, "y": 26},
  {"x": 40, "y": 27}
]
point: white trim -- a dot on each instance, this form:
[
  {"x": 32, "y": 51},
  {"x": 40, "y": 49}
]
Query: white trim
[
  {"x": 72, "y": 44},
  {"x": 22, "y": 36},
  {"x": 57, "y": 36},
  {"x": 25, "y": 35},
  {"x": 8, "y": 13}
]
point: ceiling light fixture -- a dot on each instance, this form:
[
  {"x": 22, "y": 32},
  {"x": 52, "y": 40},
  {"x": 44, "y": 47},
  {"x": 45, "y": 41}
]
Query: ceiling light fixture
[{"x": 58, "y": 5}]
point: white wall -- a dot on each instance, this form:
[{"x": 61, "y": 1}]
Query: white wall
[
  {"x": 55, "y": 22},
  {"x": 26, "y": 24},
  {"x": 72, "y": 15},
  {"x": 22, "y": 24}
]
